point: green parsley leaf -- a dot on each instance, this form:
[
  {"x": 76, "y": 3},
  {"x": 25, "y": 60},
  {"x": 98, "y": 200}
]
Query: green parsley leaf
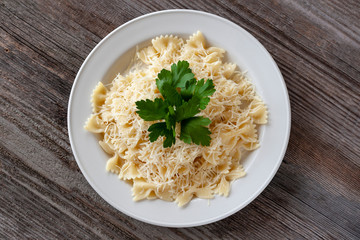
[
  {"x": 156, "y": 130},
  {"x": 169, "y": 141},
  {"x": 188, "y": 109},
  {"x": 178, "y": 76},
  {"x": 188, "y": 91},
  {"x": 171, "y": 95},
  {"x": 152, "y": 110},
  {"x": 203, "y": 90},
  {"x": 164, "y": 76},
  {"x": 193, "y": 129},
  {"x": 200, "y": 90},
  {"x": 181, "y": 73},
  {"x": 159, "y": 129}
]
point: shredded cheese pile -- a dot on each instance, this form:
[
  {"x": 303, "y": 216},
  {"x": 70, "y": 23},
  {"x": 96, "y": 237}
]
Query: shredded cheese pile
[{"x": 182, "y": 171}]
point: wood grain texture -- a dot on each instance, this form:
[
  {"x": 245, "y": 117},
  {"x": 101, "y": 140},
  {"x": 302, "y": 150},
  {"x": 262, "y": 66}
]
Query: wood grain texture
[{"x": 314, "y": 195}]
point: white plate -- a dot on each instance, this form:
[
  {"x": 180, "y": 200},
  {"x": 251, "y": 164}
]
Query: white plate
[{"x": 113, "y": 54}]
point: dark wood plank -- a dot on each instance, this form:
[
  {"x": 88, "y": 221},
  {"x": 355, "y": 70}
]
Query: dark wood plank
[{"x": 315, "y": 194}]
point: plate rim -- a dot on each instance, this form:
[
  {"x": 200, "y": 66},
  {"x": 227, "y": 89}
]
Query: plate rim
[{"x": 208, "y": 220}]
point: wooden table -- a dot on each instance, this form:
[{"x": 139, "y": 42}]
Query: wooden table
[{"x": 314, "y": 195}]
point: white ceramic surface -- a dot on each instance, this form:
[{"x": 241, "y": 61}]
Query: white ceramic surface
[{"x": 113, "y": 54}]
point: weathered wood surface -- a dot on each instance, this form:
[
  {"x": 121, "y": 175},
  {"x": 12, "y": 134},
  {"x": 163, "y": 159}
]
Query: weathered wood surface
[{"x": 316, "y": 192}]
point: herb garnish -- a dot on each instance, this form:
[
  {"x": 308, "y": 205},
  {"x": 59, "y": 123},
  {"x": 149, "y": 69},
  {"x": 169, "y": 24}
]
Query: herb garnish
[{"x": 183, "y": 98}]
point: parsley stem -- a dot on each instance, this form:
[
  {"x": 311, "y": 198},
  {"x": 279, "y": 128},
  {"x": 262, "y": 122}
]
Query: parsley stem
[{"x": 171, "y": 110}]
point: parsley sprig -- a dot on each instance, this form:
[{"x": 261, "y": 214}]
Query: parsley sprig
[{"x": 183, "y": 98}]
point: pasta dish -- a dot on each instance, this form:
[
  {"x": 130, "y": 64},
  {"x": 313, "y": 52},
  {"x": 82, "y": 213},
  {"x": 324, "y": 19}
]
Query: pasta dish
[{"x": 183, "y": 171}]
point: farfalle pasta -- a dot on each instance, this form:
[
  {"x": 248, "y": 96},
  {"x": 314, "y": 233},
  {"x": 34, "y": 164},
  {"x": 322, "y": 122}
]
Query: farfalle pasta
[{"x": 183, "y": 171}]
